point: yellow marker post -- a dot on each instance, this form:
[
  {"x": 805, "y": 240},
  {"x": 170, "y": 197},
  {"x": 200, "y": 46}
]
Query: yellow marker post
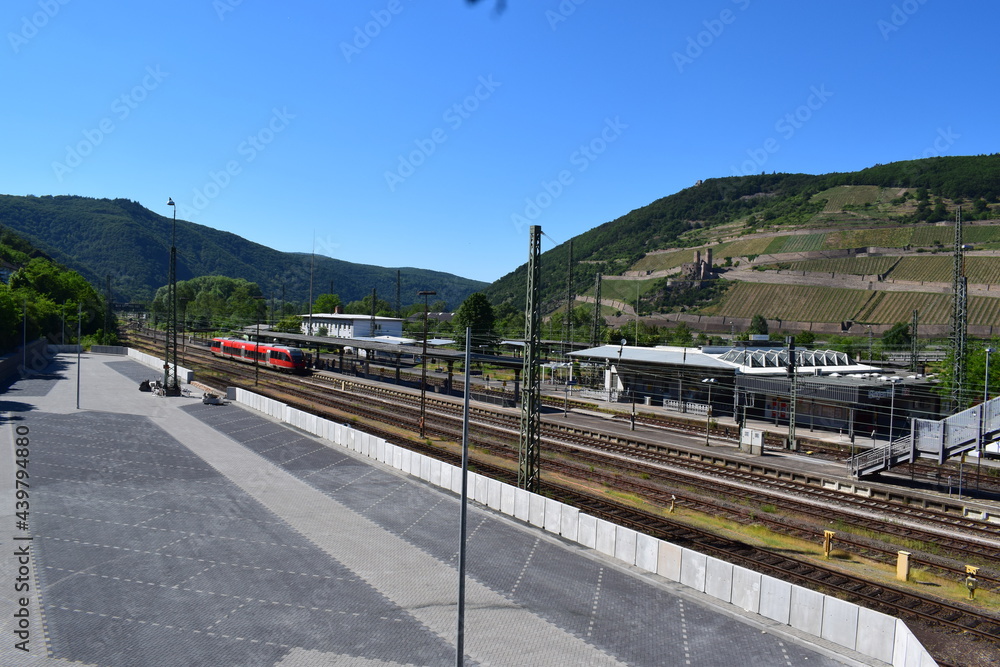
[
  {"x": 827, "y": 540},
  {"x": 903, "y": 565}
]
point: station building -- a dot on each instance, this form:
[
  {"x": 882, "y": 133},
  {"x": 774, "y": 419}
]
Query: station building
[
  {"x": 832, "y": 391},
  {"x": 341, "y": 325}
]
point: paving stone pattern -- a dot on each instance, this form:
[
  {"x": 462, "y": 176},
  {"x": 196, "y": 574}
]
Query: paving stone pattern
[
  {"x": 32, "y": 386},
  {"x": 148, "y": 556},
  {"x": 621, "y": 614},
  {"x": 135, "y": 371}
]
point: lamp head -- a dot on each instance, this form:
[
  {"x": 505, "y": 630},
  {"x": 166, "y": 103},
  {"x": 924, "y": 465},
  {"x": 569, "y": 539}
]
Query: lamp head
[{"x": 170, "y": 201}]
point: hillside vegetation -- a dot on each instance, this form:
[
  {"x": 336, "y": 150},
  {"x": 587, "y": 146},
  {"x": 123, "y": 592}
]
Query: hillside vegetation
[
  {"x": 121, "y": 238},
  {"x": 42, "y": 299},
  {"x": 891, "y": 223}
]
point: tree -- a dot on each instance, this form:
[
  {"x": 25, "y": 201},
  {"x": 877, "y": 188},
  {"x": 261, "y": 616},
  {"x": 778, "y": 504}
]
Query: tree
[
  {"x": 758, "y": 325},
  {"x": 218, "y": 301},
  {"x": 897, "y": 338},
  {"x": 476, "y": 312},
  {"x": 975, "y": 375},
  {"x": 681, "y": 335},
  {"x": 805, "y": 338},
  {"x": 289, "y": 324},
  {"x": 364, "y": 307},
  {"x": 509, "y": 321},
  {"x": 326, "y": 303}
]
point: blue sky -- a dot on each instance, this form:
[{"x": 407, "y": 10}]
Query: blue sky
[{"x": 419, "y": 133}]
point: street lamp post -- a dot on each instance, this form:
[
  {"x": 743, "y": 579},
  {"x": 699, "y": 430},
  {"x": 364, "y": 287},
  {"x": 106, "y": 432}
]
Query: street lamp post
[
  {"x": 892, "y": 409},
  {"x": 631, "y": 394},
  {"x": 170, "y": 383},
  {"x": 708, "y": 418},
  {"x": 256, "y": 346},
  {"x": 982, "y": 416},
  {"x": 986, "y": 377},
  {"x": 631, "y": 424},
  {"x": 423, "y": 363}
]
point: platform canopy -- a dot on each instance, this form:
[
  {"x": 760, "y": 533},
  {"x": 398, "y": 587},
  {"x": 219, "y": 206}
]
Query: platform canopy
[
  {"x": 661, "y": 355},
  {"x": 742, "y": 360}
]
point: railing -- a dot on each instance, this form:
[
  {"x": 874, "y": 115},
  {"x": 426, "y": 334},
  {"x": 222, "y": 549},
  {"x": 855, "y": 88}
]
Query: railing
[
  {"x": 881, "y": 458},
  {"x": 686, "y": 406},
  {"x": 598, "y": 394}
]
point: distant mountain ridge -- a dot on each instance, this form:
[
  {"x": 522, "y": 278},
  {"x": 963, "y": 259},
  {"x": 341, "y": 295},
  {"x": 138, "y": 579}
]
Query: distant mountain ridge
[
  {"x": 123, "y": 239},
  {"x": 718, "y": 209}
]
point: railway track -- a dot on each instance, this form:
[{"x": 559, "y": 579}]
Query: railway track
[
  {"x": 493, "y": 431},
  {"x": 966, "y": 538}
]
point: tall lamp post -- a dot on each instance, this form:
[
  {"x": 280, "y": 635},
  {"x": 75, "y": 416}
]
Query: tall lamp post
[
  {"x": 170, "y": 385},
  {"x": 632, "y": 418},
  {"x": 256, "y": 347},
  {"x": 708, "y": 413},
  {"x": 982, "y": 416},
  {"x": 423, "y": 363},
  {"x": 892, "y": 409},
  {"x": 986, "y": 376}
]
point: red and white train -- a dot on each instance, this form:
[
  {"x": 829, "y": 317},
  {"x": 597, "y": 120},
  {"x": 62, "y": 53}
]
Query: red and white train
[{"x": 278, "y": 357}]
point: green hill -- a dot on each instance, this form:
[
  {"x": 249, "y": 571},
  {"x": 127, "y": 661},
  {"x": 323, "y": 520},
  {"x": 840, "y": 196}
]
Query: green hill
[
  {"x": 905, "y": 205},
  {"x": 120, "y": 238}
]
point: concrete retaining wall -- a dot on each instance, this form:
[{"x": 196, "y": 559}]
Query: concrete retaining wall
[
  {"x": 32, "y": 358},
  {"x": 109, "y": 349},
  {"x": 64, "y": 349},
  {"x": 184, "y": 375},
  {"x": 868, "y": 632}
]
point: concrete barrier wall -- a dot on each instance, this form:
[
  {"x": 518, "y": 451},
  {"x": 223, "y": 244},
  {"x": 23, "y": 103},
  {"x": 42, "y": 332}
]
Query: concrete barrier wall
[
  {"x": 109, "y": 349},
  {"x": 65, "y": 349},
  {"x": 183, "y": 374},
  {"x": 868, "y": 632},
  {"x": 35, "y": 357}
]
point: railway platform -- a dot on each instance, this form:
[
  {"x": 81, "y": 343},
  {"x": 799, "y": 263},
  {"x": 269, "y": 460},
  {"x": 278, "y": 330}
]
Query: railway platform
[{"x": 163, "y": 531}]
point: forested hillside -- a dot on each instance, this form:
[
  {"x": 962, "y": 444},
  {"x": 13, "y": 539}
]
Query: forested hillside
[{"x": 121, "y": 238}]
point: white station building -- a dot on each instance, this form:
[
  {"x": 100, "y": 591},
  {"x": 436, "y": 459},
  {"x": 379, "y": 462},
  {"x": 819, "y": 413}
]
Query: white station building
[{"x": 342, "y": 325}]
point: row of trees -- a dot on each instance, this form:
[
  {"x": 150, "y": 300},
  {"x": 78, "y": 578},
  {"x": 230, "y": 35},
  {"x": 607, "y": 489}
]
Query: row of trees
[
  {"x": 213, "y": 302},
  {"x": 221, "y": 302}
]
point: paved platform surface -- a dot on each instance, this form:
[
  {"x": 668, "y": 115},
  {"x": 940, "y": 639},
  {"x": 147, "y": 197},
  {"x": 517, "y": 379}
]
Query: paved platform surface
[{"x": 166, "y": 532}]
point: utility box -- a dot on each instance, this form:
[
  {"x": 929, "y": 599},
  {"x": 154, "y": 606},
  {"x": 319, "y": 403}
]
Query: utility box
[{"x": 752, "y": 441}]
